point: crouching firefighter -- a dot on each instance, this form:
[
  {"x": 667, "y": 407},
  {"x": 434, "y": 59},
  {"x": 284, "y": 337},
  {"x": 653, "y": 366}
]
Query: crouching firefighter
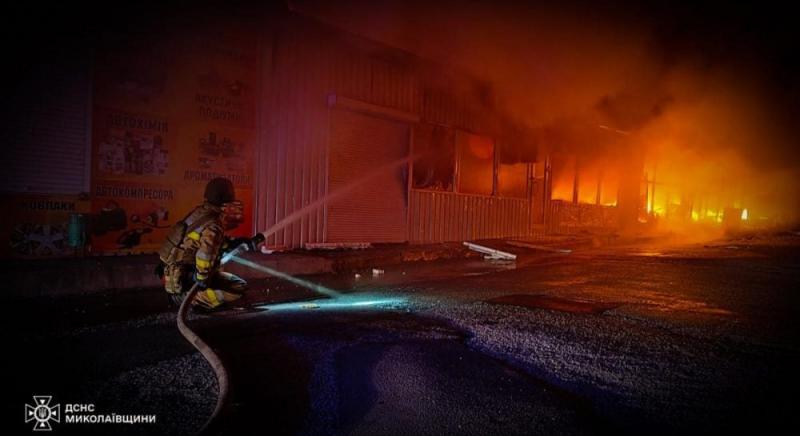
[{"x": 195, "y": 245}]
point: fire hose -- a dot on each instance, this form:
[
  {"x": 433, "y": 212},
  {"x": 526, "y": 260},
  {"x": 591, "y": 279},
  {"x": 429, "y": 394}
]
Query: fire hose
[
  {"x": 211, "y": 357},
  {"x": 223, "y": 379}
]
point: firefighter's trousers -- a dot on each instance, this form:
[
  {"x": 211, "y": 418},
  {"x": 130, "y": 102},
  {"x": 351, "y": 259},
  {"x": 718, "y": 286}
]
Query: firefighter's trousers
[{"x": 223, "y": 287}]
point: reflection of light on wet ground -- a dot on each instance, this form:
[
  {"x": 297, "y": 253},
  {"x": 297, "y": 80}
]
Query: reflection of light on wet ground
[
  {"x": 671, "y": 303},
  {"x": 649, "y": 254},
  {"x": 335, "y": 300},
  {"x": 340, "y": 303}
]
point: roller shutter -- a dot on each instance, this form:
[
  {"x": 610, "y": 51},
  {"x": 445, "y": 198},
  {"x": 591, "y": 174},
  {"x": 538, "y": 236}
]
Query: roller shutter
[
  {"x": 48, "y": 128},
  {"x": 367, "y": 179}
]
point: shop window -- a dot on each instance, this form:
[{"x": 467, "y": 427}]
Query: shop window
[
  {"x": 475, "y": 164},
  {"x": 434, "y": 157},
  {"x": 563, "y": 168},
  {"x": 512, "y": 172},
  {"x": 512, "y": 179},
  {"x": 588, "y": 181}
]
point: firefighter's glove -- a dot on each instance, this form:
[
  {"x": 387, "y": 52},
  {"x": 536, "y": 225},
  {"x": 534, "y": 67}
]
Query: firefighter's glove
[
  {"x": 250, "y": 244},
  {"x": 235, "y": 243},
  {"x": 201, "y": 281},
  {"x": 255, "y": 241}
]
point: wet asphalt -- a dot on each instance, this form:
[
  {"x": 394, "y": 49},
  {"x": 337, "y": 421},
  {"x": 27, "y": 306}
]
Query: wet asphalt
[{"x": 658, "y": 339}]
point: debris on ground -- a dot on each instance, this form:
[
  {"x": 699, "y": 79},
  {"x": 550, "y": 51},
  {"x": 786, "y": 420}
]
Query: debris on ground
[
  {"x": 491, "y": 253},
  {"x": 271, "y": 249}
]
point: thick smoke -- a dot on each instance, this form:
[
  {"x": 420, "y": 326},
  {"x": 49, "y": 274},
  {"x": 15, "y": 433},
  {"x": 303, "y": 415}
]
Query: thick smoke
[{"x": 705, "y": 93}]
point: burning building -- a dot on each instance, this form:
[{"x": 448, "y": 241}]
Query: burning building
[
  {"x": 350, "y": 136},
  {"x": 475, "y": 172}
]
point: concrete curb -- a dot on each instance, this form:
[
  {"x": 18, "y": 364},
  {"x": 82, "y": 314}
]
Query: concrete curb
[{"x": 89, "y": 275}]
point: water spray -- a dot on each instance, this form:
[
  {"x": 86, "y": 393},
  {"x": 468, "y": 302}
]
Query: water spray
[
  {"x": 229, "y": 255},
  {"x": 273, "y": 272},
  {"x": 336, "y": 300},
  {"x": 344, "y": 302},
  {"x": 377, "y": 171}
]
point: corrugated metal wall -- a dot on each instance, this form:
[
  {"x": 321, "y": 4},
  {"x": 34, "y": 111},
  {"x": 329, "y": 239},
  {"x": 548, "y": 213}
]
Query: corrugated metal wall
[
  {"x": 303, "y": 63},
  {"x": 292, "y": 170},
  {"x": 447, "y": 216},
  {"x": 568, "y": 217}
]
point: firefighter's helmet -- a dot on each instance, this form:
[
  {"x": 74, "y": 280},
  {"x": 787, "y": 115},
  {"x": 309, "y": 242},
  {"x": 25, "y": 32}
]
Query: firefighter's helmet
[{"x": 220, "y": 191}]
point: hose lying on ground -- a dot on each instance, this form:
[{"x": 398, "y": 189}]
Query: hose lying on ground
[{"x": 211, "y": 357}]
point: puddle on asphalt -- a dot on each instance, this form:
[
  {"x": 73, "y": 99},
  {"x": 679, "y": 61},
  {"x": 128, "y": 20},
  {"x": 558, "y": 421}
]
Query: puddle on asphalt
[
  {"x": 421, "y": 271},
  {"x": 671, "y": 303},
  {"x": 554, "y": 303}
]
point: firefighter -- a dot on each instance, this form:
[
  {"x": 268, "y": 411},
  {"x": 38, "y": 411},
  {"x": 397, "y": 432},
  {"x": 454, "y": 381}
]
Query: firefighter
[{"x": 195, "y": 245}]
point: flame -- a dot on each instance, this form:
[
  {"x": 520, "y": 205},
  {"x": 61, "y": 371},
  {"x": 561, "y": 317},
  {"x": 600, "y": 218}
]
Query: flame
[
  {"x": 744, "y": 215},
  {"x": 597, "y": 181}
]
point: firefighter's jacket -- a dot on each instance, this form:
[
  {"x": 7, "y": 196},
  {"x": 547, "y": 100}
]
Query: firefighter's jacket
[{"x": 193, "y": 246}]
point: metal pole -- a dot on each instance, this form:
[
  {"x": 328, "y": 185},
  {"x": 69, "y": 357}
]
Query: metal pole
[{"x": 575, "y": 183}]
